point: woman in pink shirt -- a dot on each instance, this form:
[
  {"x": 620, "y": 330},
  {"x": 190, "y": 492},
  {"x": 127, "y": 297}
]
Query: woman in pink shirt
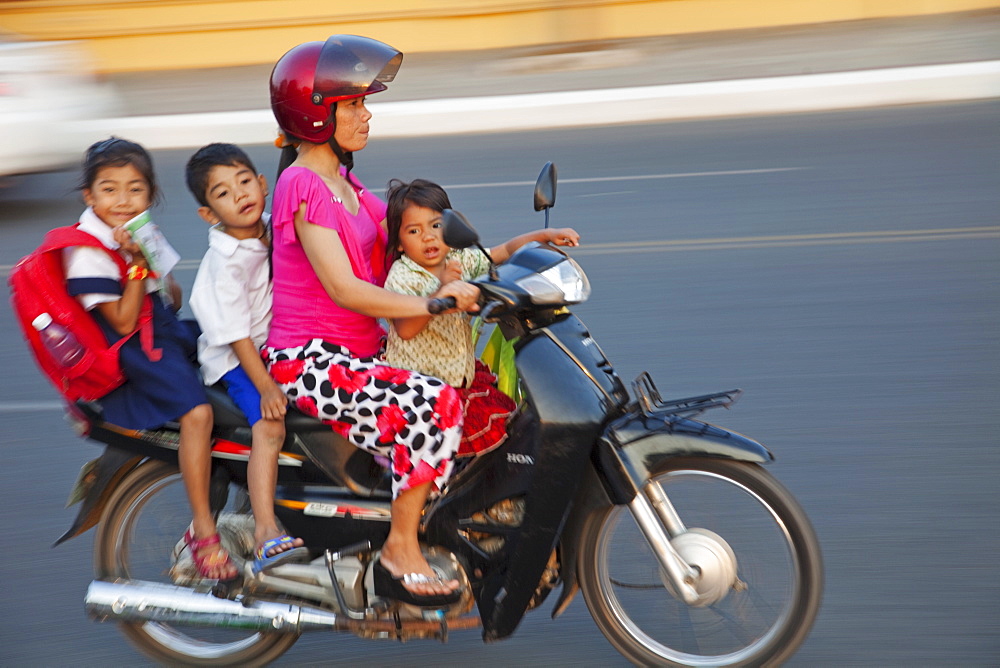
[{"x": 329, "y": 266}]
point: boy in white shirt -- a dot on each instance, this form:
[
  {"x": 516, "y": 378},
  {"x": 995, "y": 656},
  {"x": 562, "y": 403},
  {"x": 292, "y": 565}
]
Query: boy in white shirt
[{"x": 231, "y": 299}]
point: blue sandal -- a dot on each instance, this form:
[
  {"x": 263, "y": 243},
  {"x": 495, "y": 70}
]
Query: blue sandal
[{"x": 262, "y": 562}]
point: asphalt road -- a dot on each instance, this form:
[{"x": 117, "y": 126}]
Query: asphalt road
[{"x": 841, "y": 268}]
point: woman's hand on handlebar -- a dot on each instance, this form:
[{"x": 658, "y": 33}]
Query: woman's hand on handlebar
[{"x": 466, "y": 295}]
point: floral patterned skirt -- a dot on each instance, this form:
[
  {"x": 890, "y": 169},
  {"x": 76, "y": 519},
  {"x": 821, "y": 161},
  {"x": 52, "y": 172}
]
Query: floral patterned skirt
[{"x": 415, "y": 421}]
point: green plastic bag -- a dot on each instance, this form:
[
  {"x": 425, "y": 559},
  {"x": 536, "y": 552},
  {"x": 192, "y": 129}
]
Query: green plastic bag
[{"x": 498, "y": 355}]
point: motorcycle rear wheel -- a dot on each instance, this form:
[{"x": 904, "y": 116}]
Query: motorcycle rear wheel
[
  {"x": 777, "y": 557},
  {"x": 142, "y": 522}
]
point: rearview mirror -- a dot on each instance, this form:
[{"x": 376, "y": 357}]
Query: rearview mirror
[
  {"x": 458, "y": 231},
  {"x": 545, "y": 188}
]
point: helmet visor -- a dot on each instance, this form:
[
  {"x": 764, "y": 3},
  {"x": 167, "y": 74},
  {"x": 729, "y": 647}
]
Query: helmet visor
[{"x": 351, "y": 66}]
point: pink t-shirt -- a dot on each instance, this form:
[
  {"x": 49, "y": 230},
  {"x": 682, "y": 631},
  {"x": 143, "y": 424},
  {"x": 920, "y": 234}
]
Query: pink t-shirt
[{"x": 302, "y": 308}]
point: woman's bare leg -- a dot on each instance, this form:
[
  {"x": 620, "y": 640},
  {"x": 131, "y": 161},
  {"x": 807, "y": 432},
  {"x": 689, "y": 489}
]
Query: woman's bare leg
[{"x": 401, "y": 552}]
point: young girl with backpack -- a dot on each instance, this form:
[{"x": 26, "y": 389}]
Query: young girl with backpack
[{"x": 162, "y": 380}]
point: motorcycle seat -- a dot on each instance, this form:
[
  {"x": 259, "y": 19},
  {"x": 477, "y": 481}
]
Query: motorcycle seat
[
  {"x": 337, "y": 458},
  {"x": 227, "y": 414}
]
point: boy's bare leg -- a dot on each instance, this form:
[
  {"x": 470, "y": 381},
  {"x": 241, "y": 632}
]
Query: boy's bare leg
[
  {"x": 194, "y": 454},
  {"x": 262, "y": 476},
  {"x": 401, "y": 552}
]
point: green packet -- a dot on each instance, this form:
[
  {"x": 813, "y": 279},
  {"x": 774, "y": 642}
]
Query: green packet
[
  {"x": 144, "y": 237},
  {"x": 159, "y": 253}
]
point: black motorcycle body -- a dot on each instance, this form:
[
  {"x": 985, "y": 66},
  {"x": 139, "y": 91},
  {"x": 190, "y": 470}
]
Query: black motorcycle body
[{"x": 548, "y": 508}]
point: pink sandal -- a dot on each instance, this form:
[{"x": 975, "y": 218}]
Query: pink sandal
[{"x": 215, "y": 562}]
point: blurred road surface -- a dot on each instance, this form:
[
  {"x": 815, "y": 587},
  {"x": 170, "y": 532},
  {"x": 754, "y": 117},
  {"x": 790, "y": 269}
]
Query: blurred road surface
[{"x": 840, "y": 267}]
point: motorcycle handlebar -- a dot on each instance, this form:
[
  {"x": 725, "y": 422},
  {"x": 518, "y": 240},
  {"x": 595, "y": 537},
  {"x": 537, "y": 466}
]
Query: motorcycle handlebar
[
  {"x": 440, "y": 305},
  {"x": 487, "y": 310}
]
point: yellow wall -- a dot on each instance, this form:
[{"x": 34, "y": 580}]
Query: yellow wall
[{"x": 136, "y": 35}]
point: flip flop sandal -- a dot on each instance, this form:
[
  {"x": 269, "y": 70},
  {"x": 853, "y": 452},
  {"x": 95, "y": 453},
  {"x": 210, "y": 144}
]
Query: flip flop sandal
[
  {"x": 262, "y": 562},
  {"x": 389, "y": 586},
  {"x": 211, "y": 563}
]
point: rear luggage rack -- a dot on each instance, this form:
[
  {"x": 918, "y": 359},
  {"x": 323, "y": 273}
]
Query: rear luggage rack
[{"x": 652, "y": 403}]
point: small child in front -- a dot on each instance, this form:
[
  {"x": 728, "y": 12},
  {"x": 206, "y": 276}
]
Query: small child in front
[
  {"x": 231, "y": 298},
  {"x": 442, "y": 346}
]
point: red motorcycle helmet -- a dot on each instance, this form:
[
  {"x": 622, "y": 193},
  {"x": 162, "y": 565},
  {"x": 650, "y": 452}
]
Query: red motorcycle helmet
[{"x": 308, "y": 81}]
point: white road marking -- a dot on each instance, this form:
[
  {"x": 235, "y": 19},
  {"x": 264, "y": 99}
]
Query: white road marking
[
  {"x": 666, "y": 102},
  {"x": 633, "y": 177},
  {"x": 790, "y": 240},
  {"x": 31, "y": 406}
]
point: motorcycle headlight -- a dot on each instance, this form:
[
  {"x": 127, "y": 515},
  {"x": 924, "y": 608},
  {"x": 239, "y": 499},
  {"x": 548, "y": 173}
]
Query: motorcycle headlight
[{"x": 563, "y": 283}]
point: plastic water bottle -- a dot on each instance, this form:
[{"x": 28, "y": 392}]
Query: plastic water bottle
[{"x": 63, "y": 346}]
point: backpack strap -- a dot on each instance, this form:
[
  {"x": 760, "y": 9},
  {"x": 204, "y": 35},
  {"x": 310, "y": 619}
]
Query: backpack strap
[{"x": 61, "y": 238}]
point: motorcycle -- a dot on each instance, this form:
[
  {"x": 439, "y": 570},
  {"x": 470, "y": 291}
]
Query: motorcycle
[{"x": 688, "y": 552}]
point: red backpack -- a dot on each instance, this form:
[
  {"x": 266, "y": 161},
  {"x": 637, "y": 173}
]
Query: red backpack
[{"x": 38, "y": 285}]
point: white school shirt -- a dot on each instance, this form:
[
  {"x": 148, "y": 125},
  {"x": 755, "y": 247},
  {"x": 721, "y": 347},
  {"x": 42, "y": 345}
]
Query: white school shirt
[
  {"x": 231, "y": 299},
  {"x": 88, "y": 262}
]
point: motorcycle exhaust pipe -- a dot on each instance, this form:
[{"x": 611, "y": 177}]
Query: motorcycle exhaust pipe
[{"x": 141, "y": 601}]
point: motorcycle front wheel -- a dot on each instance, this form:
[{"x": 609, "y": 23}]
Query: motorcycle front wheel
[
  {"x": 762, "y": 618},
  {"x": 143, "y": 522}
]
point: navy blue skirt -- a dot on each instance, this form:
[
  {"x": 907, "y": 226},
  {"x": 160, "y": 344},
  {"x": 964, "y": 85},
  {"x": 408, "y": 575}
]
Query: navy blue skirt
[{"x": 161, "y": 391}]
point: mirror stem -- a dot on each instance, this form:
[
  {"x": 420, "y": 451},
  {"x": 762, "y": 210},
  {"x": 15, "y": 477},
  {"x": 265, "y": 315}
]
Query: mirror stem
[{"x": 493, "y": 266}]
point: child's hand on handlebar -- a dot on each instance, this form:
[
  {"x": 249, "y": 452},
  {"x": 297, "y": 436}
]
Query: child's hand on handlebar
[{"x": 564, "y": 236}]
